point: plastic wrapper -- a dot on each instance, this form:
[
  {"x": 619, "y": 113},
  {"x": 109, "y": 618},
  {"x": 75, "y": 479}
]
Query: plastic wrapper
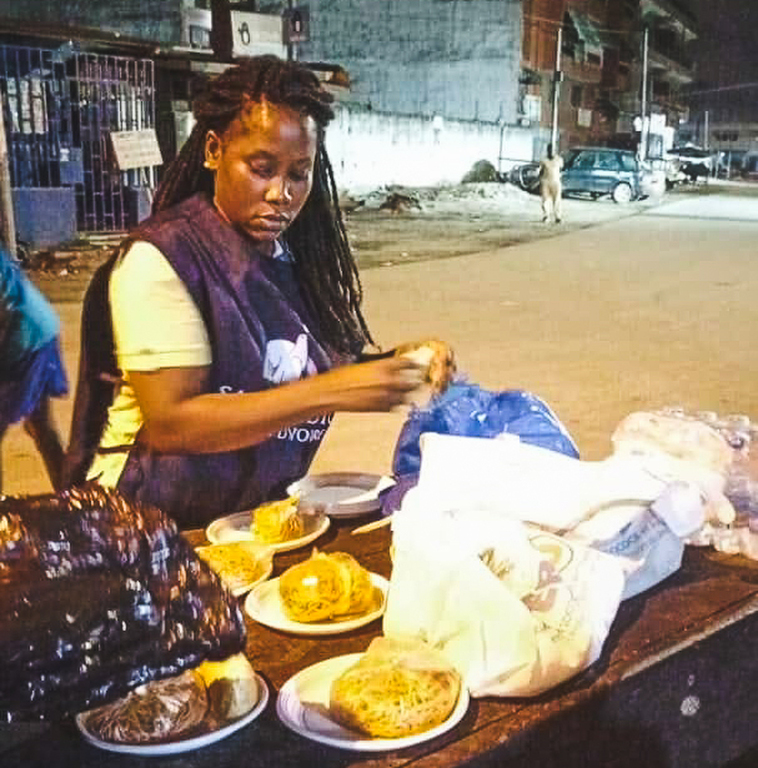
[
  {"x": 468, "y": 410},
  {"x": 98, "y": 597},
  {"x": 725, "y": 445},
  {"x": 515, "y": 609}
]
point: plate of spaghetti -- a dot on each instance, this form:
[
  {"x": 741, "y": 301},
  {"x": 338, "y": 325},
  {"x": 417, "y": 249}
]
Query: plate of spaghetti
[{"x": 306, "y": 705}]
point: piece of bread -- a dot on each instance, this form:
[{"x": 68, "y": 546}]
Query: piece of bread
[
  {"x": 435, "y": 356},
  {"x": 232, "y": 687},
  {"x": 396, "y": 689},
  {"x": 277, "y": 521},
  {"x": 325, "y": 587}
]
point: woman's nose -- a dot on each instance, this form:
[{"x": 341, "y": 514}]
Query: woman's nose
[{"x": 279, "y": 190}]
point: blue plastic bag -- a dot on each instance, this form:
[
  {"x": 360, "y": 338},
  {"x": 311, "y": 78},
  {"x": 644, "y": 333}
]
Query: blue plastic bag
[{"x": 468, "y": 410}]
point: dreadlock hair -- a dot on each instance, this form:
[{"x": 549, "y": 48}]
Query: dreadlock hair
[{"x": 324, "y": 264}]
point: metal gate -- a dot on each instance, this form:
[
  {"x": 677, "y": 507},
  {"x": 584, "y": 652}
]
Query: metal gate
[{"x": 60, "y": 107}]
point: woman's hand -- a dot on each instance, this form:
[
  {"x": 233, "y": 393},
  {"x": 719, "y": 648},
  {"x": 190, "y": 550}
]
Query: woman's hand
[
  {"x": 436, "y": 356},
  {"x": 379, "y": 385},
  {"x": 180, "y": 417}
]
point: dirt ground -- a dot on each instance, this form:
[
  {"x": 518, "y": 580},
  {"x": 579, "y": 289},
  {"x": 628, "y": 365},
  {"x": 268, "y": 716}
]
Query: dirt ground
[{"x": 443, "y": 222}]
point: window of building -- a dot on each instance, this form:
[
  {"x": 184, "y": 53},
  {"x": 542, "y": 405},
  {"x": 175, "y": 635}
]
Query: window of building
[
  {"x": 593, "y": 58},
  {"x": 199, "y": 37},
  {"x": 576, "y": 95}
]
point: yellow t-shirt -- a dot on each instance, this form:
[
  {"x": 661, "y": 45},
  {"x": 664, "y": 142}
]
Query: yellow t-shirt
[{"x": 156, "y": 324}]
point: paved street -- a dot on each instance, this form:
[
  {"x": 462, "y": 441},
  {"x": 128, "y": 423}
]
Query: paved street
[{"x": 655, "y": 308}]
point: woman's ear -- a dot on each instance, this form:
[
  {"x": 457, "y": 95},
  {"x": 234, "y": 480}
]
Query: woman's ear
[{"x": 212, "y": 150}]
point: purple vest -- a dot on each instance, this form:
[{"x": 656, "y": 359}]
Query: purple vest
[{"x": 260, "y": 336}]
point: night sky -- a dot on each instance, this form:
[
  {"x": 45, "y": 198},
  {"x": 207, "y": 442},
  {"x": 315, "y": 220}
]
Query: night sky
[{"x": 727, "y": 51}]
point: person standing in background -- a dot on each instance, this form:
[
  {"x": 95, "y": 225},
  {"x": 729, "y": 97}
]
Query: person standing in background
[
  {"x": 550, "y": 185},
  {"x": 31, "y": 367}
]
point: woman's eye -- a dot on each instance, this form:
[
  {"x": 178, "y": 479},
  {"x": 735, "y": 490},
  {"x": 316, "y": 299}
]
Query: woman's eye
[
  {"x": 299, "y": 175},
  {"x": 262, "y": 170}
]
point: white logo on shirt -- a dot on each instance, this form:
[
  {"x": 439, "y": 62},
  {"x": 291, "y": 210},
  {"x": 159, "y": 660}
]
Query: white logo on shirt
[{"x": 285, "y": 361}]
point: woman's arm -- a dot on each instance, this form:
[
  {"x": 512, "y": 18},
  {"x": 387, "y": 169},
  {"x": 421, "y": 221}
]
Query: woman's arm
[{"x": 178, "y": 418}]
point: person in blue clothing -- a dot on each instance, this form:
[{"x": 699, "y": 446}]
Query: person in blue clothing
[
  {"x": 31, "y": 368},
  {"x": 237, "y": 329}
]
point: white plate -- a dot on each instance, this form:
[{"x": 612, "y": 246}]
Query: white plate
[
  {"x": 303, "y": 701},
  {"x": 237, "y": 527},
  {"x": 341, "y": 494},
  {"x": 260, "y": 554},
  {"x": 180, "y": 745},
  {"x": 264, "y": 604}
]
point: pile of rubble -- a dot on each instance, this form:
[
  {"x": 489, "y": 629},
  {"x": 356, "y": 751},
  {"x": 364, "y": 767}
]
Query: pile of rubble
[{"x": 69, "y": 258}]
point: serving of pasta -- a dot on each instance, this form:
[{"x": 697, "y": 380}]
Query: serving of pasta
[
  {"x": 277, "y": 521},
  {"x": 397, "y": 688},
  {"x": 326, "y": 587}
]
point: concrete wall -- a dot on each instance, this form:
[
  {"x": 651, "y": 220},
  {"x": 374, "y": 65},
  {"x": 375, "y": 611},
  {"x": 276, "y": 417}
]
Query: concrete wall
[
  {"x": 154, "y": 20},
  {"x": 456, "y": 58},
  {"x": 370, "y": 149}
]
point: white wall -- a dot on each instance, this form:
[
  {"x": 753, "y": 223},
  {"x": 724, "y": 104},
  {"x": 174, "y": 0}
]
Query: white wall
[{"x": 370, "y": 149}]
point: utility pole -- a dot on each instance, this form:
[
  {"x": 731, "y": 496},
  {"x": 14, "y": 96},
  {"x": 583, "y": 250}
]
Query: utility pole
[
  {"x": 557, "y": 78},
  {"x": 8, "y": 233},
  {"x": 645, "y": 123},
  {"x": 291, "y": 47}
]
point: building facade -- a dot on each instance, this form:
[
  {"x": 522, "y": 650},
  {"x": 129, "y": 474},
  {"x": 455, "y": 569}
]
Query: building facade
[
  {"x": 723, "y": 100},
  {"x": 608, "y": 49},
  {"x": 454, "y": 58}
]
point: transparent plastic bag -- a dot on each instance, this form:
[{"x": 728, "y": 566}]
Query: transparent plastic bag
[{"x": 734, "y": 459}]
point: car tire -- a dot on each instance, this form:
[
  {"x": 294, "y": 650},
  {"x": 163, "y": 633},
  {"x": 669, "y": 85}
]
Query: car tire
[{"x": 622, "y": 193}]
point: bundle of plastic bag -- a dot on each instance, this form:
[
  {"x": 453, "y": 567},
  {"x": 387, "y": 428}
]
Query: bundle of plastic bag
[
  {"x": 515, "y": 609},
  {"x": 719, "y": 450},
  {"x": 468, "y": 410}
]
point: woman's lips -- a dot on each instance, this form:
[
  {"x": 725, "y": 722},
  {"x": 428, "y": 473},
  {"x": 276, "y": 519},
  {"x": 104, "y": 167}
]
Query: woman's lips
[{"x": 270, "y": 222}]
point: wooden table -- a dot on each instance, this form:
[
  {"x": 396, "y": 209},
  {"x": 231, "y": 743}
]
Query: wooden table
[{"x": 675, "y": 686}]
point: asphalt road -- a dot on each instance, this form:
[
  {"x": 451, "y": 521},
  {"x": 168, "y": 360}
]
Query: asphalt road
[{"x": 655, "y": 308}]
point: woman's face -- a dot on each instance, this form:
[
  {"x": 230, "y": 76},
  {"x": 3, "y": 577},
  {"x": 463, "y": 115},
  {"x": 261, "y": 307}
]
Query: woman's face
[{"x": 263, "y": 168}]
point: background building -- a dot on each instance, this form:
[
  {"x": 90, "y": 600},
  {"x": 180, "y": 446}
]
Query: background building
[
  {"x": 604, "y": 61},
  {"x": 723, "y": 100},
  {"x": 425, "y": 88}
]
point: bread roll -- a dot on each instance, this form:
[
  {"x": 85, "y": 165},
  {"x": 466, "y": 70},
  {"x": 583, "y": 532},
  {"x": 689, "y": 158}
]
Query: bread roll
[
  {"x": 437, "y": 358},
  {"x": 232, "y": 687},
  {"x": 396, "y": 689},
  {"x": 326, "y": 586}
]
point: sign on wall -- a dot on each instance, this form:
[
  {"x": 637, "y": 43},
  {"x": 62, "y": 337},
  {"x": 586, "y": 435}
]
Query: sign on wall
[
  {"x": 584, "y": 117},
  {"x": 254, "y": 34},
  {"x": 136, "y": 149}
]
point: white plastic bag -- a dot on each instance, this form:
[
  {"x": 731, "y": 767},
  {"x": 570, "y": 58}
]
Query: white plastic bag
[
  {"x": 515, "y": 609},
  {"x": 627, "y": 505}
]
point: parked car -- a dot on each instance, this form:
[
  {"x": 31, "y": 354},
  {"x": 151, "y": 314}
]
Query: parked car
[
  {"x": 693, "y": 162},
  {"x": 598, "y": 171},
  {"x": 526, "y": 176}
]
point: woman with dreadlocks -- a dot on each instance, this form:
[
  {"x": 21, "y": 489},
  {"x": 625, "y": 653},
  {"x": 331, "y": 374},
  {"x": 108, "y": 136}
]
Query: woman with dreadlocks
[{"x": 236, "y": 311}]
